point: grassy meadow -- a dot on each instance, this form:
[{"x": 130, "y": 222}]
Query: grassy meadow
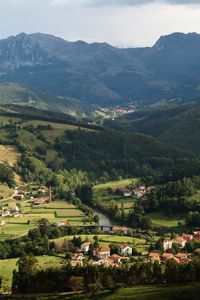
[{"x": 9, "y": 155}]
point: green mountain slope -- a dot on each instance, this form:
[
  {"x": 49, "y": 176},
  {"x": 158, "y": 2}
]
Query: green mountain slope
[{"x": 15, "y": 94}]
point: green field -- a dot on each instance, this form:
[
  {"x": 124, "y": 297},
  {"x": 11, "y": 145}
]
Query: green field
[
  {"x": 8, "y": 265},
  {"x": 9, "y": 155},
  {"x": 105, "y": 240},
  {"x": 160, "y": 219},
  {"x": 5, "y": 191},
  {"x": 101, "y": 194},
  {"x": 7, "y": 120},
  {"x": 54, "y": 212},
  {"x": 115, "y": 184}
]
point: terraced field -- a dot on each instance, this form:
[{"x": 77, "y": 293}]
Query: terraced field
[{"x": 54, "y": 212}]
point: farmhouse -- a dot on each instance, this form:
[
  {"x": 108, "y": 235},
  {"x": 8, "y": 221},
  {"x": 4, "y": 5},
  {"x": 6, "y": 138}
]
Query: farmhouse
[
  {"x": 19, "y": 197},
  {"x": 180, "y": 241},
  {"x": 118, "y": 229},
  {"x": 85, "y": 247},
  {"x": 166, "y": 256},
  {"x": 196, "y": 235},
  {"x": 167, "y": 245},
  {"x": 78, "y": 256},
  {"x": 118, "y": 259},
  {"x": 154, "y": 257},
  {"x": 187, "y": 237},
  {"x": 125, "y": 249},
  {"x": 38, "y": 201},
  {"x": 63, "y": 223},
  {"x": 101, "y": 252}
]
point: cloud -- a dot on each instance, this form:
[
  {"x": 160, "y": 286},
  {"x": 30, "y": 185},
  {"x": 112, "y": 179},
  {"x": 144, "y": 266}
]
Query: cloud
[{"x": 135, "y": 2}]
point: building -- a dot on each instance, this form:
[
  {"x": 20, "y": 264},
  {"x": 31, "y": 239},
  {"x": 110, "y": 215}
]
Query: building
[
  {"x": 154, "y": 257},
  {"x": 85, "y": 247},
  {"x": 63, "y": 223},
  {"x": 182, "y": 258},
  {"x": 167, "y": 244},
  {"x": 77, "y": 256},
  {"x": 117, "y": 259},
  {"x": 166, "y": 256},
  {"x": 187, "y": 237},
  {"x": 38, "y": 201},
  {"x": 19, "y": 197},
  {"x": 196, "y": 235},
  {"x": 17, "y": 214},
  {"x": 101, "y": 252},
  {"x": 125, "y": 250},
  {"x": 180, "y": 241},
  {"x": 119, "y": 229},
  {"x": 76, "y": 263}
]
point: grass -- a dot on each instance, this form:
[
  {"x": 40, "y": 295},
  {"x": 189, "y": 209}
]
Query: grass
[
  {"x": 155, "y": 292},
  {"x": 159, "y": 218},
  {"x": 5, "y": 191},
  {"x": 9, "y": 155},
  {"x": 29, "y": 139},
  {"x": 106, "y": 240},
  {"x": 6, "y": 120},
  {"x": 8, "y": 265},
  {"x": 54, "y": 212},
  {"x": 115, "y": 184}
]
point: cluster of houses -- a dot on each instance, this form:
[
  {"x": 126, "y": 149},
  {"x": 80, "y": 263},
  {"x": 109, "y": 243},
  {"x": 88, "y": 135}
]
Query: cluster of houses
[
  {"x": 38, "y": 201},
  {"x": 11, "y": 212},
  {"x": 181, "y": 258},
  {"x": 138, "y": 192},
  {"x": 102, "y": 255},
  {"x": 181, "y": 240}
]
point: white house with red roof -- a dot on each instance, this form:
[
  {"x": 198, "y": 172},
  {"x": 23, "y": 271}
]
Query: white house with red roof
[
  {"x": 101, "y": 252},
  {"x": 125, "y": 249},
  {"x": 85, "y": 247}
]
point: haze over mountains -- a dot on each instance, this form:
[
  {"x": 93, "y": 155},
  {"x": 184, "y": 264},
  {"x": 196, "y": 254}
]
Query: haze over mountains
[{"x": 102, "y": 74}]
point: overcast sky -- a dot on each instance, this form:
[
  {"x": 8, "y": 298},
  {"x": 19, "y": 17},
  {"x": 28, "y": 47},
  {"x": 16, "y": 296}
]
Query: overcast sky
[{"x": 119, "y": 22}]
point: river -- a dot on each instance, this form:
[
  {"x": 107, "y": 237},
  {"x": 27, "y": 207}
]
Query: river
[{"x": 103, "y": 219}]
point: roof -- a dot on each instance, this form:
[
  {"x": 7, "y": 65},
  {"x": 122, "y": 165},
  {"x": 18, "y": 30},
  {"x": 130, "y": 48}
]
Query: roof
[
  {"x": 153, "y": 254},
  {"x": 181, "y": 255},
  {"x": 179, "y": 239},
  {"x": 123, "y": 246},
  {"x": 86, "y": 244},
  {"x": 103, "y": 249},
  {"x": 187, "y": 235},
  {"x": 120, "y": 228},
  {"x": 167, "y": 255},
  {"x": 115, "y": 256}
]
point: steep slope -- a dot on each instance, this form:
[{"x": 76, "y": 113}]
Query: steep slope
[
  {"x": 177, "y": 125},
  {"x": 15, "y": 94}
]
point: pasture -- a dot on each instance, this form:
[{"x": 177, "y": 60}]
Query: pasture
[
  {"x": 54, "y": 212},
  {"x": 8, "y": 265},
  {"x": 161, "y": 219},
  {"x": 106, "y": 239},
  {"x": 101, "y": 193},
  {"x": 8, "y": 155},
  {"x": 5, "y": 191}
]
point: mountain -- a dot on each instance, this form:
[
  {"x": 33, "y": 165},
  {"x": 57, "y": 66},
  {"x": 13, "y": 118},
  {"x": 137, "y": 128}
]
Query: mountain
[
  {"x": 15, "y": 94},
  {"x": 101, "y": 74}
]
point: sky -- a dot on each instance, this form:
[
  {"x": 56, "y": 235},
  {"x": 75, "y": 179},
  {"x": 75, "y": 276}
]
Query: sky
[{"x": 122, "y": 23}]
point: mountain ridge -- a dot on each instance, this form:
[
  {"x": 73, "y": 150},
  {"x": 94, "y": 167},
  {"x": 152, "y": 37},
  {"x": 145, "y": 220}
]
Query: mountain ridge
[{"x": 99, "y": 73}]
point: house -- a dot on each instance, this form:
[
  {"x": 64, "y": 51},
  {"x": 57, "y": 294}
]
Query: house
[
  {"x": 166, "y": 256},
  {"x": 19, "y": 197},
  {"x": 101, "y": 252},
  {"x": 118, "y": 259},
  {"x": 63, "y": 223},
  {"x": 75, "y": 263},
  {"x": 78, "y": 256},
  {"x": 85, "y": 247},
  {"x": 119, "y": 229},
  {"x": 125, "y": 249},
  {"x": 6, "y": 213},
  {"x": 180, "y": 241},
  {"x": 153, "y": 256},
  {"x": 167, "y": 244},
  {"x": 14, "y": 209},
  {"x": 17, "y": 214},
  {"x": 196, "y": 235},
  {"x": 187, "y": 237},
  {"x": 182, "y": 258},
  {"x": 42, "y": 190},
  {"x": 124, "y": 192},
  {"x": 38, "y": 201}
]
